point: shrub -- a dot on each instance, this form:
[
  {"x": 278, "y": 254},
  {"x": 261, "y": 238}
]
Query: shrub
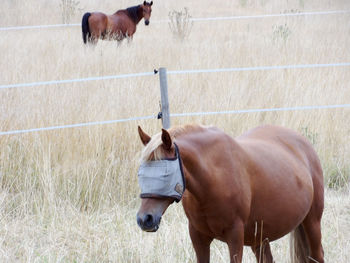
[
  {"x": 281, "y": 32},
  {"x": 69, "y": 9},
  {"x": 180, "y": 23}
]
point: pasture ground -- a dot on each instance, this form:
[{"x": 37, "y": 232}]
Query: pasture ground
[{"x": 71, "y": 195}]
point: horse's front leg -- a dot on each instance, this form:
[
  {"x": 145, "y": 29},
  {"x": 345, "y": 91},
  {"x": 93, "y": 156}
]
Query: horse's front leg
[
  {"x": 235, "y": 241},
  {"x": 129, "y": 38},
  {"x": 201, "y": 245}
]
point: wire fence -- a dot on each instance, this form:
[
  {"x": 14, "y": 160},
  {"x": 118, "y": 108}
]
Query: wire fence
[
  {"x": 55, "y": 82},
  {"x": 76, "y": 125},
  {"x": 176, "y": 72},
  {"x": 188, "y": 114},
  {"x": 199, "y": 19}
]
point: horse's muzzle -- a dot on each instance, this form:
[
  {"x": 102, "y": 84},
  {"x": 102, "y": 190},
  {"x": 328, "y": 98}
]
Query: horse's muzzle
[
  {"x": 146, "y": 22},
  {"x": 148, "y": 222}
]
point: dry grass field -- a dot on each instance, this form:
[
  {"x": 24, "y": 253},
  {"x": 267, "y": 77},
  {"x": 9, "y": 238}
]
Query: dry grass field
[{"x": 71, "y": 195}]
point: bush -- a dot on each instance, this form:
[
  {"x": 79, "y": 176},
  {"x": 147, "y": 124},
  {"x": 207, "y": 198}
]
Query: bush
[
  {"x": 281, "y": 32},
  {"x": 337, "y": 176},
  {"x": 180, "y": 23},
  {"x": 69, "y": 9}
]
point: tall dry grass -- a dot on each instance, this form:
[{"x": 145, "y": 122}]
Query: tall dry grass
[{"x": 71, "y": 195}]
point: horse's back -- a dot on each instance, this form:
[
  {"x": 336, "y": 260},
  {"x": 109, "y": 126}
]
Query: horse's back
[{"x": 283, "y": 140}]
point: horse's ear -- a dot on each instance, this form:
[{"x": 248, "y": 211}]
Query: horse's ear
[
  {"x": 143, "y": 136},
  {"x": 151, "y": 3},
  {"x": 166, "y": 139},
  {"x": 144, "y": 2}
]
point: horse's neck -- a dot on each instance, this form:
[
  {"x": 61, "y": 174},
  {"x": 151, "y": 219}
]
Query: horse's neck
[
  {"x": 195, "y": 174},
  {"x": 134, "y": 13},
  {"x": 203, "y": 165}
]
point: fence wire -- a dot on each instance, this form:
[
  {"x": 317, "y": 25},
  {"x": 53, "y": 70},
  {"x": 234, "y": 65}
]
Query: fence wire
[
  {"x": 174, "y": 72},
  {"x": 190, "y": 114}
]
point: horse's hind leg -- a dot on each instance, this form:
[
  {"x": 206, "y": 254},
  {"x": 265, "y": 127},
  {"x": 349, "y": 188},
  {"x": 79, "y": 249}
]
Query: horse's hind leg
[
  {"x": 312, "y": 228},
  {"x": 263, "y": 252},
  {"x": 312, "y": 222},
  {"x": 93, "y": 40},
  {"x": 307, "y": 236},
  {"x": 95, "y": 36}
]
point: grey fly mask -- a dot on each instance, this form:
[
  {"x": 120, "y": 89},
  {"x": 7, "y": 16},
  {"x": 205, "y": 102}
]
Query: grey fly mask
[{"x": 163, "y": 178}]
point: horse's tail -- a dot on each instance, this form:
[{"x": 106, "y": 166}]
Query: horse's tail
[
  {"x": 85, "y": 27},
  {"x": 299, "y": 247}
]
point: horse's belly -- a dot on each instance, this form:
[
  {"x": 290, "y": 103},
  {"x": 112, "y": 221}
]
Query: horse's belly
[{"x": 279, "y": 208}]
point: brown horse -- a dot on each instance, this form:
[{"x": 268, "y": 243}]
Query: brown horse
[
  {"x": 118, "y": 26},
  {"x": 248, "y": 191}
]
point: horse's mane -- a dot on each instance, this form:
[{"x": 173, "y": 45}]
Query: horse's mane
[
  {"x": 133, "y": 13},
  {"x": 156, "y": 141},
  {"x": 180, "y": 130}
]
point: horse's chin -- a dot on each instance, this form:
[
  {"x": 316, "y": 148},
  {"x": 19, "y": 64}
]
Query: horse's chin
[
  {"x": 146, "y": 23},
  {"x": 154, "y": 229}
]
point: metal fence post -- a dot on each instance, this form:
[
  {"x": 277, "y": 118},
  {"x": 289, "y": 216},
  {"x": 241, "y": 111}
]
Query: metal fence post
[{"x": 164, "y": 98}]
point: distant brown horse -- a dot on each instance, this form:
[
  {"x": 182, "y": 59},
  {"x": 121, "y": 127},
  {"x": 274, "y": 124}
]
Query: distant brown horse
[
  {"x": 118, "y": 26},
  {"x": 248, "y": 191}
]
